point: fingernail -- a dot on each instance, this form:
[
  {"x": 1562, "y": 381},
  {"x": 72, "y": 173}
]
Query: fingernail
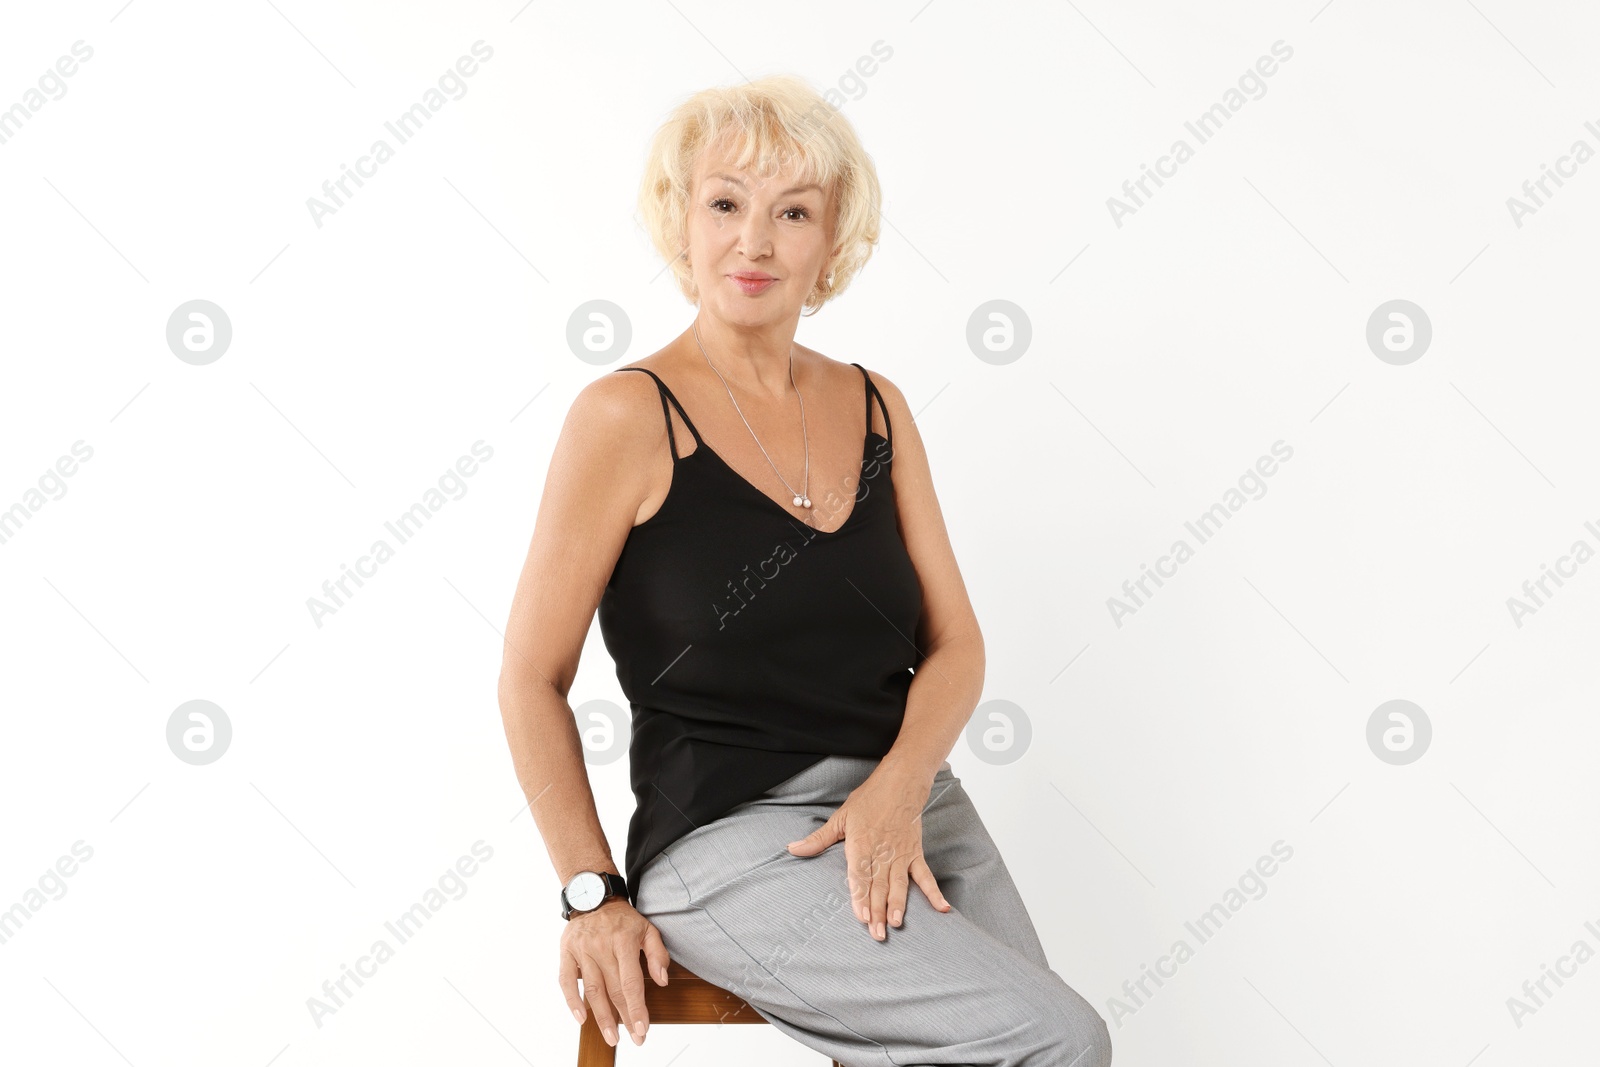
[
  {"x": 578, "y": 1015},
  {"x": 895, "y": 918},
  {"x": 611, "y": 1035},
  {"x": 638, "y": 1027},
  {"x": 878, "y": 931}
]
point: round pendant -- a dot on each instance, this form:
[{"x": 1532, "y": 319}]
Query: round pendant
[
  {"x": 806, "y": 502},
  {"x": 797, "y": 502}
]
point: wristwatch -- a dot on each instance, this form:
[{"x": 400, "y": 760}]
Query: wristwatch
[{"x": 589, "y": 889}]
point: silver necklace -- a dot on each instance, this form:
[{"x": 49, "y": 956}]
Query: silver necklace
[{"x": 801, "y": 500}]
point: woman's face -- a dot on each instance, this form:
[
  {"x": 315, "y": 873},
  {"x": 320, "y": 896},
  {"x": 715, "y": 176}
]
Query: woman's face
[{"x": 757, "y": 244}]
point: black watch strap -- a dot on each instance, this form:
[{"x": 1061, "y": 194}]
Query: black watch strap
[{"x": 616, "y": 886}]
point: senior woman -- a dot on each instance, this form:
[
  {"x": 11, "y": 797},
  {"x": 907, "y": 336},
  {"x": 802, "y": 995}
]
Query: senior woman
[{"x": 756, "y": 523}]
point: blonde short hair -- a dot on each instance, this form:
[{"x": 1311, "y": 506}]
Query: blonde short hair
[{"x": 767, "y": 121}]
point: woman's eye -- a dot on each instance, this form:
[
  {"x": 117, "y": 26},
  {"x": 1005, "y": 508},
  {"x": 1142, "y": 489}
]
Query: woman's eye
[
  {"x": 716, "y": 204},
  {"x": 804, "y": 214}
]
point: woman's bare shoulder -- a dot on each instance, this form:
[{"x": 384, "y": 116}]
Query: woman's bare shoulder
[
  {"x": 620, "y": 405},
  {"x": 893, "y": 398}
]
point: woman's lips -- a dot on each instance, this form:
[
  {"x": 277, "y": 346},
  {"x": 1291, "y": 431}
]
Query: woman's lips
[{"x": 752, "y": 286}]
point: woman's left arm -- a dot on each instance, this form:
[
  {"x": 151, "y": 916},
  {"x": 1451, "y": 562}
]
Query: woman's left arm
[{"x": 881, "y": 820}]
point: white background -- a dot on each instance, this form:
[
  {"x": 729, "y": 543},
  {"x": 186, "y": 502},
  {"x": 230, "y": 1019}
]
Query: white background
[{"x": 430, "y": 312}]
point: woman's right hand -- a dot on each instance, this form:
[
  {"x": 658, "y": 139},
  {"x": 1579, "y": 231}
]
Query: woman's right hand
[{"x": 602, "y": 947}]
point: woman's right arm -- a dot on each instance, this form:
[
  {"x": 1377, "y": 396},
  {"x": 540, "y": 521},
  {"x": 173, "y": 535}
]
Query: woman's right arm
[{"x": 599, "y": 476}]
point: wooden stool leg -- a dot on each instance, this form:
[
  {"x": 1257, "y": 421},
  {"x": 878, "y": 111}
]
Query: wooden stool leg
[{"x": 592, "y": 1048}]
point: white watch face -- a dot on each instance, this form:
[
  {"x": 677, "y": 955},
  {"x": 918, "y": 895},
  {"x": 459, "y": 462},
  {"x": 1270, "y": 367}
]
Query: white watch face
[{"x": 586, "y": 891}]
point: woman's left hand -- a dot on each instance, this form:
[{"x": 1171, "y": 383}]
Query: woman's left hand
[{"x": 880, "y": 823}]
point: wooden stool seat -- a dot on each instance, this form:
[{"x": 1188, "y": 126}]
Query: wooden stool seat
[{"x": 686, "y": 999}]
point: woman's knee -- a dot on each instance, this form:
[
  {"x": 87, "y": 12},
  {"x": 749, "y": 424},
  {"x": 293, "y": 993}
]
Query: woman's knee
[
  {"x": 1093, "y": 1039},
  {"x": 1071, "y": 1034}
]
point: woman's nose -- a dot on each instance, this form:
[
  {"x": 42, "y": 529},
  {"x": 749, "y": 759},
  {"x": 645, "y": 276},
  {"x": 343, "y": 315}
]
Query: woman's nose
[{"x": 756, "y": 238}]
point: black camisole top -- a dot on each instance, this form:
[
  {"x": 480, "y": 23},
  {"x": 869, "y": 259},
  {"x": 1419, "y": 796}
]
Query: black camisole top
[{"x": 749, "y": 644}]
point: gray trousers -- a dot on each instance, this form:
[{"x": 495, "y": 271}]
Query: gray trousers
[{"x": 969, "y": 986}]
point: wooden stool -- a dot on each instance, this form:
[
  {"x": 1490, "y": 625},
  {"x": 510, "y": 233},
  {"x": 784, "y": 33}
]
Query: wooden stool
[{"x": 687, "y": 998}]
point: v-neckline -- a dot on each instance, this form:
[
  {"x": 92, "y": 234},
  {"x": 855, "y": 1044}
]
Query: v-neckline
[{"x": 855, "y": 506}]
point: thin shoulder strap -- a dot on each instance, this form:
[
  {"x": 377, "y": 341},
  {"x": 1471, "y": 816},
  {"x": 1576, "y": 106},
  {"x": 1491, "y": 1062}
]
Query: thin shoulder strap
[
  {"x": 872, "y": 391},
  {"x": 666, "y": 394}
]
